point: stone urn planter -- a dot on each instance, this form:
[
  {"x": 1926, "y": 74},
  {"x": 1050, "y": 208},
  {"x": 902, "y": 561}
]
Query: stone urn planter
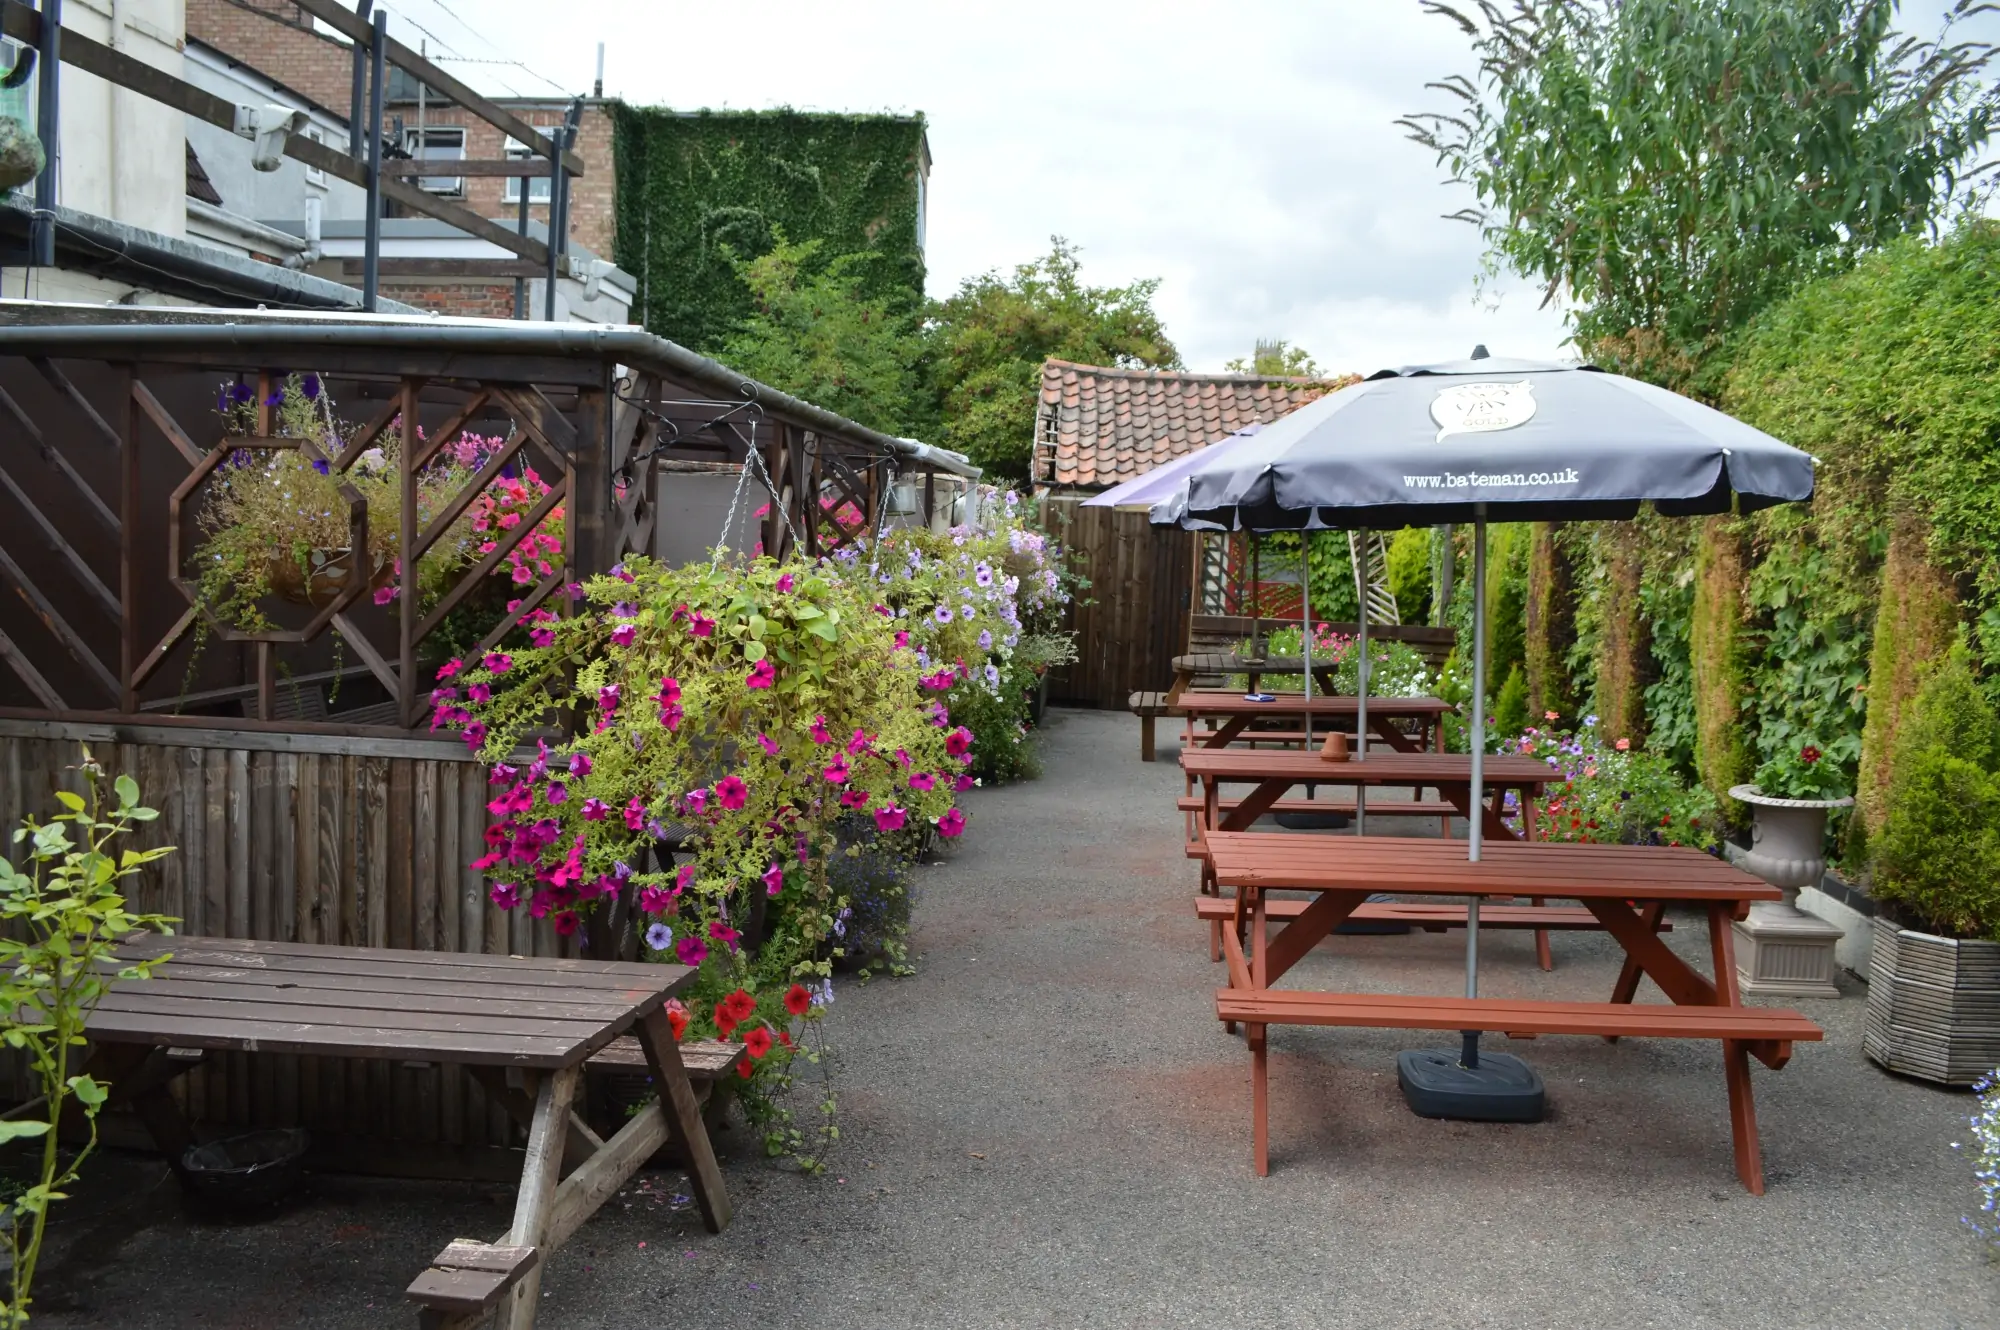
[
  {"x": 1781, "y": 951},
  {"x": 1933, "y": 1005}
]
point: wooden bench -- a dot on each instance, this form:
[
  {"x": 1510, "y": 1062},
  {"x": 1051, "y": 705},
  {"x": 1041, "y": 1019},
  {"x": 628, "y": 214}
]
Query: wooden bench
[
  {"x": 1192, "y": 804},
  {"x": 1429, "y": 916},
  {"x": 1148, "y": 707},
  {"x": 466, "y": 1282},
  {"x": 709, "y": 1063}
]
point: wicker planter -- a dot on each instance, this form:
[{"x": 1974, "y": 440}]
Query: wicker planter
[
  {"x": 320, "y": 583},
  {"x": 1933, "y": 1005}
]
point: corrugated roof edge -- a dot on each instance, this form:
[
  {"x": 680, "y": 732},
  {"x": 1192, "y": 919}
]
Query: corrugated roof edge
[{"x": 52, "y": 329}]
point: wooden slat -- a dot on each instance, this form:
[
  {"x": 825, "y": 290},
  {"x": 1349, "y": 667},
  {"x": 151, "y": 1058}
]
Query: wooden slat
[
  {"x": 41, "y": 607},
  {"x": 25, "y": 670},
  {"x": 575, "y": 973},
  {"x": 1400, "y": 1012}
]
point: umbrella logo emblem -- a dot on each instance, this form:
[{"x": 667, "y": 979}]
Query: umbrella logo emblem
[{"x": 1480, "y": 408}]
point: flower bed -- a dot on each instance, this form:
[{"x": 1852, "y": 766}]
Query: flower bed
[{"x": 1610, "y": 792}]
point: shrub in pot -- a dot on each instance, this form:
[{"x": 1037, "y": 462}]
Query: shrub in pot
[{"x": 1934, "y": 971}]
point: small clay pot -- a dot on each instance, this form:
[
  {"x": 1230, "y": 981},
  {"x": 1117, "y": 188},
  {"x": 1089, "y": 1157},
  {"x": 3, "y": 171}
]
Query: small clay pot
[{"x": 1335, "y": 747}]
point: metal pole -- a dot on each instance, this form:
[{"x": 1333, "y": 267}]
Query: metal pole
[
  {"x": 1469, "y": 1046},
  {"x": 360, "y": 86},
  {"x": 559, "y": 206},
  {"x": 371, "y": 256},
  {"x": 524, "y": 183},
  {"x": 48, "y": 113},
  {"x": 1306, "y": 626},
  {"x": 1361, "y": 690}
]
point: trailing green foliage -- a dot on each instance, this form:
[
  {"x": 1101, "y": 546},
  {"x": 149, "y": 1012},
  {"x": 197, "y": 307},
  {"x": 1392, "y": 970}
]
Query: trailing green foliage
[
  {"x": 989, "y": 339},
  {"x": 1938, "y": 856},
  {"x": 696, "y": 192},
  {"x": 1670, "y": 167}
]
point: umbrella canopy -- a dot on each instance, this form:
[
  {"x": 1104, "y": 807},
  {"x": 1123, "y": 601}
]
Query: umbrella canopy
[
  {"x": 1492, "y": 439},
  {"x": 1169, "y": 477}
]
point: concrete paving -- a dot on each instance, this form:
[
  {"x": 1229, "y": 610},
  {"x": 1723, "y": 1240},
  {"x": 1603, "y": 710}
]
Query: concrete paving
[{"x": 1046, "y": 1126}]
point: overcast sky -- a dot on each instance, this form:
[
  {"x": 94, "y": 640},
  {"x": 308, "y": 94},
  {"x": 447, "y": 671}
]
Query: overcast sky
[{"x": 1245, "y": 154}]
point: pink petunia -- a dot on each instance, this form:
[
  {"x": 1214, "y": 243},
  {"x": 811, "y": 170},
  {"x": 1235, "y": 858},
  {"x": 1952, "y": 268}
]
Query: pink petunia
[
  {"x": 595, "y": 810},
  {"x": 902, "y": 639},
  {"x": 623, "y": 634},
  {"x": 959, "y": 742},
  {"x": 702, "y": 626},
  {"x": 695, "y": 800},
  {"x": 952, "y": 823},
  {"x": 691, "y": 950},
  {"x": 890, "y": 818},
  {"x": 498, "y": 662},
  {"x": 768, "y": 744},
  {"x": 923, "y": 780},
  {"x": 684, "y": 878},
  {"x": 607, "y": 698},
  {"x": 761, "y": 675},
  {"x": 505, "y": 895},
  {"x": 836, "y": 772},
  {"x": 785, "y": 584},
  {"x": 540, "y": 637},
  {"x": 558, "y": 792},
  {"x": 774, "y": 880},
  {"x": 670, "y": 689},
  {"x": 854, "y": 799},
  {"x": 820, "y": 734},
  {"x": 732, "y": 793},
  {"x": 635, "y": 814},
  {"x": 724, "y": 934},
  {"x": 385, "y": 594},
  {"x": 858, "y": 744},
  {"x": 655, "y": 900},
  {"x": 479, "y": 692},
  {"x": 579, "y": 765},
  {"x": 449, "y": 668},
  {"x": 960, "y": 784}
]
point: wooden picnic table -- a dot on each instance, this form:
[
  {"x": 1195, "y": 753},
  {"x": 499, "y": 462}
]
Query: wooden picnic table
[
  {"x": 1187, "y": 667},
  {"x": 1275, "y": 771},
  {"x": 1230, "y": 714},
  {"x": 523, "y": 1027},
  {"x": 1626, "y": 887}
]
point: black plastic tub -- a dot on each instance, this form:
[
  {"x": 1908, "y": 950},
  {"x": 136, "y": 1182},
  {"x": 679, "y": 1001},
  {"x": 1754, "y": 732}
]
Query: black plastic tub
[{"x": 247, "y": 1173}]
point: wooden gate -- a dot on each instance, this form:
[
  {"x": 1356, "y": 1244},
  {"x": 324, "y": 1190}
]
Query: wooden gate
[{"x": 1132, "y": 621}]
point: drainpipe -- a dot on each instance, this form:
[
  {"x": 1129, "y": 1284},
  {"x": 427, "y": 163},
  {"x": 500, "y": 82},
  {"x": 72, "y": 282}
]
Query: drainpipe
[
  {"x": 42, "y": 230},
  {"x": 310, "y": 255},
  {"x": 559, "y": 206}
]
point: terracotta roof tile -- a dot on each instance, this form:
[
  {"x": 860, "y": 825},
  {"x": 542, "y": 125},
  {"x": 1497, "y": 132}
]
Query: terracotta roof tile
[{"x": 1112, "y": 424}]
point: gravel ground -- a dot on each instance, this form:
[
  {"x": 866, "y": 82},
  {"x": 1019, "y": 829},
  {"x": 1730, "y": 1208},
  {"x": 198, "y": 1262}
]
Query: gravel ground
[{"x": 1047, "y": 1127}]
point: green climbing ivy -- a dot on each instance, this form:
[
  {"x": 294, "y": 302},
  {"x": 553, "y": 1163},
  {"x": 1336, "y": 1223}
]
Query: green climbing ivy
[{"x": 699, "y": 192}]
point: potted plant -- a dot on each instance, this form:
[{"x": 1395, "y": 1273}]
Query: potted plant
[
  {"x": 1783, "y": 951},
  {"x": 1934, "y": 969}
]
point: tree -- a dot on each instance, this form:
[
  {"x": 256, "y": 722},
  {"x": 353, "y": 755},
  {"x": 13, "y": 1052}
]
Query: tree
[
  {"x": 1277, "y": 359},
  {"x": 817, "y": 333},
  {"x": 1670, "y": 167},
  {"x": 988, "y": 342}
]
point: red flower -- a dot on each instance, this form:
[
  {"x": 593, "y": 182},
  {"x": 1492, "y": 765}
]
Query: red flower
[
  {"x": 725, "y": 1021},
  {"x": 797, "y": 1000},
  {"x": 784, "y": 1039},
  {"x": 740, "y": 1005},
  {"x": 746, "y": 1069},
  {"x": 1809, "y": 753},
  {"x": 758, "y": 1041},
  {"x": 677, "y": 1019}
]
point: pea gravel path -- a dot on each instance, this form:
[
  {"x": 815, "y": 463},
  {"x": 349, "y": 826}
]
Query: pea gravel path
[{"x": 1047, "y": 1127}]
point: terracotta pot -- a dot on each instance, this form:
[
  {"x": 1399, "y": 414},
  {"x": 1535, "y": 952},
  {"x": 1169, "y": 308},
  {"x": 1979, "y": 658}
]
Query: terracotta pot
[{"x": 321, "y": 582}]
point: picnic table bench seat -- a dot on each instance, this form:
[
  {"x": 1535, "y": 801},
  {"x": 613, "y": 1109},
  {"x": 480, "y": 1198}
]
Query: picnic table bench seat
[
  {"x": 710, "y": 1063},
  {"x": 1767, "y": 1033},
  {"x": 1148, "y": 707},
  {"x": 1192, "y": 804},
  {"x": 466, "y": 1282},
  {"x": 1430, "y": 916}
]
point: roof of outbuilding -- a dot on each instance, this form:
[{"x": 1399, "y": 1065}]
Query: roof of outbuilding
[{"x": 1098, "y": 425}]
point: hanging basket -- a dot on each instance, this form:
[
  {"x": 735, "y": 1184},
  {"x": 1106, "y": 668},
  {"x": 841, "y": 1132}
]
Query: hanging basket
[
  {"x": 21, "y": 157},
  {"x": 319, "y": 582}
]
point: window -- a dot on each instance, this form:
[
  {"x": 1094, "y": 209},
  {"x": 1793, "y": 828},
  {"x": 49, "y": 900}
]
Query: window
[
  {"x": 314, "y": 175},
  {"x": 538, "y": 188},
  {"x": 440, "y": 144}
]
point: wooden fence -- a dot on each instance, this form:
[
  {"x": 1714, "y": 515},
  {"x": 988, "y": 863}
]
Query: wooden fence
[
  {"x": 1133, "y": 620},
  {"x": 307, "y": 836}
]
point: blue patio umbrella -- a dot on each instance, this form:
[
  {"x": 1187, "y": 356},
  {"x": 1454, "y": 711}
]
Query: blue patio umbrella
[{"x": 1486, "y": 440}]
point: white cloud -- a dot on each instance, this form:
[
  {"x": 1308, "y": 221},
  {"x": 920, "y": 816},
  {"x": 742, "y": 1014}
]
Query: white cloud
[{"x": 1243, "y": 153}]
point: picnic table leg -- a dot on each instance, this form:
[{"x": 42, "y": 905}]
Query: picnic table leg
[
  {"x": 1735, "y": 1056},
  {"x": 1260, "y": 1100},
  {"x": 540, "y": 1172},
  {"x": 1627, "y": 986},
  {"x": 684, "y": 1125}
]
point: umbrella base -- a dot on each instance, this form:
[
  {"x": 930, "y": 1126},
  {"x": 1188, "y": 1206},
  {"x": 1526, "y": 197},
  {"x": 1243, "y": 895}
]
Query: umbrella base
[{"x": 1502, "y": 1088}]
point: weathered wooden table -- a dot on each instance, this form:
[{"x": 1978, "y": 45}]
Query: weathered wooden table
[
  {"x": 1273, "y": 772},
  {"x": 523, "y": 1027},
  {"x": 1187, "y": 667},
  {"x": 1626, "y": 887},
  {"x": 1230, "y": 714}
]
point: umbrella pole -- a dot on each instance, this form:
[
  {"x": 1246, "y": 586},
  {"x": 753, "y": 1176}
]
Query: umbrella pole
[
  {"x": 1361, "y": 689},
  {"x": 1469, "y": 1055},
  {"x": 1306, "y": 628}
]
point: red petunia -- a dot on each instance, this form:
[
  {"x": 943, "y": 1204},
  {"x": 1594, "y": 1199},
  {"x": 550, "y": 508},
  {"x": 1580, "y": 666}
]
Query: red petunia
[
  {"x": 758, "y": 1041},
  {"x": 677, "y": 1019},
  {"x": 741, "y": 1006},
  {"x": 745, "y": 1069},
  {"x": 797, "y": 1000},
  {"x": 725, "y": 1020}
]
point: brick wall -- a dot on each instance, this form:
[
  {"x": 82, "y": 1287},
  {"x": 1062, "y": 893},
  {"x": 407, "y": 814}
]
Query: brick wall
[
  {"x": 592, "y": 219},
  {"x": 277, "y": 40},
  {"x": 474, "y": 299}
]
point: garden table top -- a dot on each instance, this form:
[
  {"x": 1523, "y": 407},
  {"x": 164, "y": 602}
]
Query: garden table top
[
  {"x": 1228, "y": 662},
  {"x": 1235, "y": 712},
  {"x": 1275, "y": 771},
  {"x": 1625, "y": 887},
  {"x": 523, "y": 1025}
]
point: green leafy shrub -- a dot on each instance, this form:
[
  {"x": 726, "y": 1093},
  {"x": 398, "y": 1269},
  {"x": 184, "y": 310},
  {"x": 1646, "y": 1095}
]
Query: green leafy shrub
[
  {"x": 1938, "y": 854},
  {"x": 1510, "y": 705},
  {"x": 61, "y": 921}
]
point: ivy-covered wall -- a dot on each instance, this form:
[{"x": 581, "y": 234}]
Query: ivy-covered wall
[{"x": 695, "y": 186}]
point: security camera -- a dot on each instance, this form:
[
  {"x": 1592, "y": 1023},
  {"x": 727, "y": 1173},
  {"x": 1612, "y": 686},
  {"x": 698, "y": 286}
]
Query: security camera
[{"x": 267, "y": 127}]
